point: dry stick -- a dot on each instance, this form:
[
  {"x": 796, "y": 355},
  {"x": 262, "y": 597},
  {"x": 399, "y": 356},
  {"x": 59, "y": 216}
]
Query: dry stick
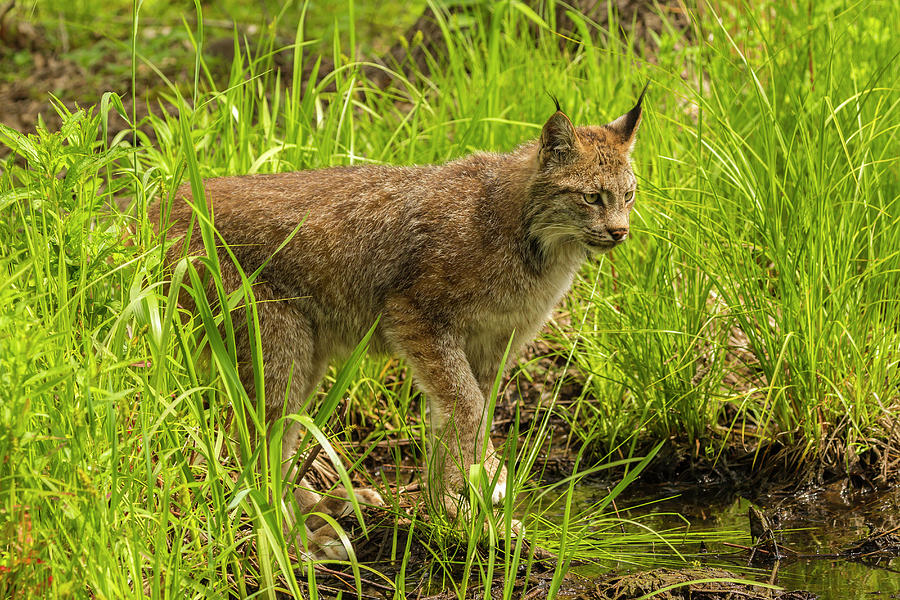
[
  {"x": 751, "y": 595},
  {"x": 393, "y": 443},
  {"x": 798, "y": 555},
  {"x": 381, "y": 549},
  {"x": 420, "y": 585},
  {"x": 533, "y": 594},
  {"x": 868, "y": 554},
  {"x": 753, "y": 555},
  {"x": 340, "y": 577},
  {"x": 884, "y": 533},
  {"x": 616, "y": 510},
  {"x": 307, "y": 464},
  {"x": 311, "y": 457},
  {"x": 774, "y": 572}
]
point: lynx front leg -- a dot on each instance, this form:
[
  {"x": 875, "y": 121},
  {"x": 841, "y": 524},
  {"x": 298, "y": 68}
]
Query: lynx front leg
[
  {"x": 456, "y": 402},
  {"x": 486, "y": 362}
]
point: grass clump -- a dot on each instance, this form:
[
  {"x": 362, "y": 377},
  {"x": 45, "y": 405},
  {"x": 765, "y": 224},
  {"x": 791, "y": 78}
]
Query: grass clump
[{"x": 760, "y": 303}]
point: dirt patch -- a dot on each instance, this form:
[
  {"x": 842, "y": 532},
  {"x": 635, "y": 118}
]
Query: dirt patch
[
  {"x": 389, "y": 535},
  {"x": 688, "y": 584}
]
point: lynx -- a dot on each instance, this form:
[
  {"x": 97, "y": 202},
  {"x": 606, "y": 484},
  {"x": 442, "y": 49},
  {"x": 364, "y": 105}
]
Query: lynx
[{"x": 454, "y": 262}]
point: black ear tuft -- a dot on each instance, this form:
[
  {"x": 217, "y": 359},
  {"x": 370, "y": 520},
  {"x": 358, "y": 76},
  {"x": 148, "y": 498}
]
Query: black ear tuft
[
  {"x": 634, "y": 115},
  {"x": 643, "y": 91},
  {"x": 555, "y": 101},
  {"x": 627, "y": 125}
]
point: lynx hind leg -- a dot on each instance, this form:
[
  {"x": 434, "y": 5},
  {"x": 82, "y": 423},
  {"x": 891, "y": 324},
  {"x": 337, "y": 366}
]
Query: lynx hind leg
[{"x": 289, "y": 358}]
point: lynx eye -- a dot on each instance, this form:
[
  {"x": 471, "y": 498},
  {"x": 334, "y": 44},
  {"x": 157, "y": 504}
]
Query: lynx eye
[
  {"x": 595, "y": 199},
  {"x": 629, "y": 196}
]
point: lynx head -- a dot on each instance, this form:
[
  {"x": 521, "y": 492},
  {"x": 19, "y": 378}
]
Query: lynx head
[{"x": 584, "y": 189}]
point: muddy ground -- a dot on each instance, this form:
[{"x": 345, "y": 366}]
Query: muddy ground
[
  {"x": 796, "y": 538},
  {"x": 782, "y": 497}
]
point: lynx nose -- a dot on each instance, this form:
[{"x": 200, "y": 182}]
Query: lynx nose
[{"x": 618, "y": 234}]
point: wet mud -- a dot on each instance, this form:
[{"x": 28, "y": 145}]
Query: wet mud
[{"x": 836, "y": 542}]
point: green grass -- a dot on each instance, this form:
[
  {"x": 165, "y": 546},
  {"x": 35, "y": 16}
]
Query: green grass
[
  {"x": 757, "y": 302},
  {"x": 91, "y": 38}
]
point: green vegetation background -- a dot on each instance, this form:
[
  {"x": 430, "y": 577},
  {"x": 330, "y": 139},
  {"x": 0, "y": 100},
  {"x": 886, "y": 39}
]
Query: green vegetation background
[{"x": 756, "y": 308}]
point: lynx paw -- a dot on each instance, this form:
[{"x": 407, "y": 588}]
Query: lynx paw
[
  {"x": 517, "y": 527},
  {"x": 495, "y": 467},
  {"x": 325, "y": 544},
  {"x": 369, "y": 497},
  {"x": 341, "y": 505},
  {"x": 499, "y": 492}
]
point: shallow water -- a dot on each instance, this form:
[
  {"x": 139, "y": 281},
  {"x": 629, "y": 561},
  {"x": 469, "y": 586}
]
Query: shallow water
[{"x": 819, "y": 523}]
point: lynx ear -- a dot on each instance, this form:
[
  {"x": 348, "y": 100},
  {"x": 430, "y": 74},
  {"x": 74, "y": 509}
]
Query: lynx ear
[
  {"x": 627, "y": 125},
  {"x": 558, "y": 139}
]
